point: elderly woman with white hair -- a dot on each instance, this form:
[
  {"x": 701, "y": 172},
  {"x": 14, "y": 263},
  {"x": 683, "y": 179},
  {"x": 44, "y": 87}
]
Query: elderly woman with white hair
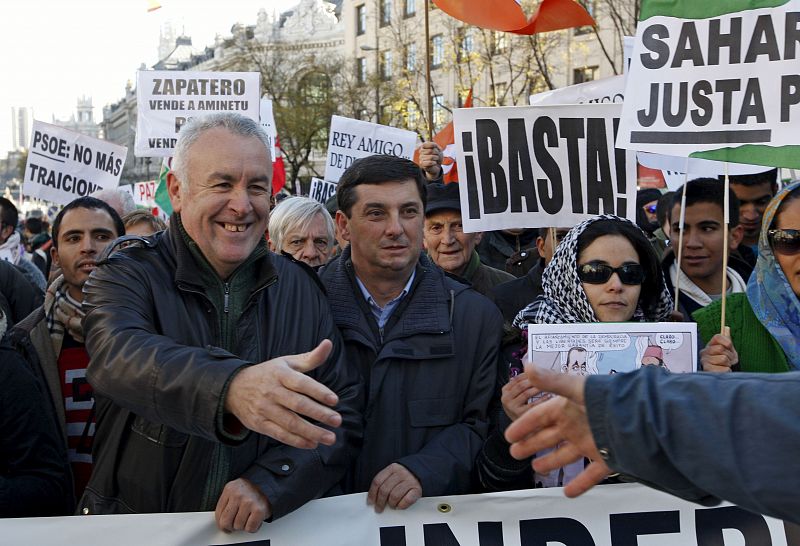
[{"x": 303, "y": 228}]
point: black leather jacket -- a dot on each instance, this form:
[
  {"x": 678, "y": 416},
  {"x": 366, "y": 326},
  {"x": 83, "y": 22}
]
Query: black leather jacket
[{"x": 160, "y": 379}]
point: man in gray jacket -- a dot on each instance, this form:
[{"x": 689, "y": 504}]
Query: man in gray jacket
[
  {"x": 665, "y": 430},
  {"x": 426, "y": 345},
  {"x": 200, "y": 343}
]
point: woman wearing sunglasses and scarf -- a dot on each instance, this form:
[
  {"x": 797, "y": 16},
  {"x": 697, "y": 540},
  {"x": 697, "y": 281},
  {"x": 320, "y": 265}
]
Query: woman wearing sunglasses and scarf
[
  {"x": 604, "y": 270},
  {"x": 764, "y": 321}
]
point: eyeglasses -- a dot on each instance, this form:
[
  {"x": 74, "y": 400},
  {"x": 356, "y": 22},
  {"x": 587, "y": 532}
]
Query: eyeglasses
[
  {"x": 785, "y": 241},
  {"x": 651, "y": 208},
  {"x": 597, "y": 273}
]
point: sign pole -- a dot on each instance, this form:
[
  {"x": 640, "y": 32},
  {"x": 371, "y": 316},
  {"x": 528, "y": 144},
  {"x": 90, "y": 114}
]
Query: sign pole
[
  {"x": 680, "y": 233},
  {"x": 428, "y": 96},
  {"x": 726, "y": 229}
]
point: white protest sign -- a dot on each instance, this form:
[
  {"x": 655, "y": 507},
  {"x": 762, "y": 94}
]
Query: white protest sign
[
  {"x": 144, "y": 196},
  {"x": 598, "y": 91},
  {"x": 321, "y": 190},
  {"x": 627, "y": 51},
  {"x": 351, "y": 139},
  {"x": 541, "y": 166},
  {"x": 167, "y": 99},
  {"x": 267, "y": 120},
  {"x": 605, "y": 516},
  {"x": 613, "y": 347},
  {"x": 64, "y": 165},
  {"x": 708, "y": 85}
]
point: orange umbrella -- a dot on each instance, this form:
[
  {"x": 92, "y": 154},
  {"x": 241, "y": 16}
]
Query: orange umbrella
[{"x": 507, "y": 15}]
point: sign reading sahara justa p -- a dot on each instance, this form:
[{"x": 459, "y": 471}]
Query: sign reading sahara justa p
[
  {"x": 351, "y": 139},
  {"x": 167, "y": 99},
  {"x": 64, "y": 165},
  {"x": 716, "y": 83},
  {"x": 541, "y": 166},
  {"x": 321, "y": 190}
]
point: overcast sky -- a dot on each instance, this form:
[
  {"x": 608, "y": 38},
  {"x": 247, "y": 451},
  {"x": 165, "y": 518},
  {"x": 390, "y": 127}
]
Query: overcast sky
[{"x": 54, "y": 51}]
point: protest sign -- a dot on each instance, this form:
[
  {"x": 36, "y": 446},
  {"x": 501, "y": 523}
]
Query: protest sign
[
  {"x": 267, "y": 120},
  {"x": 64, "y": 165},
  {"x": 321, "y": 190},
  {"x": 540, "y": 166},
  {"x": 600, "y": 91},
  {"x": 719, "y": 84},
  {"x": 351, "y": 139},
  {"x": 618, "y": 514},
  {"x": 610, "y": 347},
  {"x": 144, "y": 196},
  {"x": 167, "y": 99}
]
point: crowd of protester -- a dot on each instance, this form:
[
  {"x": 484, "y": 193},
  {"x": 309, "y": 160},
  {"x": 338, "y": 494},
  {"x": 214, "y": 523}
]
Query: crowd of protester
[{"x": 247, "y": 361}]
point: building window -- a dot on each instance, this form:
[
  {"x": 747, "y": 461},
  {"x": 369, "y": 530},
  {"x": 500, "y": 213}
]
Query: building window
[
  {"x": 466, "y": 44},
  {"x": 591, "y": 8},
  {"x": 314, "y": 88},
  {"x": 499, "y": 91},
  {"x": 386, "y": 65},
  {"x": 585, "y": 74},
  {"x": 361, "y": 19},
  {"x": 412, "y": 115},
  {"x": 361, "y": 70},
  {"x": 439, "y": 112},
  {"x": 409, "y": 8},
  {"x": 500, "y": 42},
  {"x": 411, "y": 57},
  {"x": 437, "y": 51},
  {"x": 386, "y": 12}
]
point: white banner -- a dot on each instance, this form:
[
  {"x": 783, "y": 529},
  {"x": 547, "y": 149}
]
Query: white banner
[
  {"x": 321, "y": 190},
  {"x": 714, "y": 83},
  {"x": 598, "y": 91},
  {"x": 610, "y": 515},
  {"x": 541, "y": 166},
  {"x": 351, "y": 139},
  {"x": 167, "y": 99},
  {"x": 64, "y": 165},
  {"x": 267, "y": 120}
]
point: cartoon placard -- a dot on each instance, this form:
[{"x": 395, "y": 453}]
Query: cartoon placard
[{"x": 606, "y": 348}]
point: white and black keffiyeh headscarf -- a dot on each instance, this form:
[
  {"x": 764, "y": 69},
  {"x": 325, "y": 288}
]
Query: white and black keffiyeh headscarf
[{"x": 564, "y": 301}]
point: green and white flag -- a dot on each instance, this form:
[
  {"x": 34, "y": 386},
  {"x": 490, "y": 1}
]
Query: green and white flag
[
  {"x": 716, "y": 79},
  {"x": 162, "y": 196}
]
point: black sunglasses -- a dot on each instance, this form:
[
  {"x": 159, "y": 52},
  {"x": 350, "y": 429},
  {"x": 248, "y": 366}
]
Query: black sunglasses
[
  {"x": 597, "y": 273},
  {"x": 785, "y": 241}
]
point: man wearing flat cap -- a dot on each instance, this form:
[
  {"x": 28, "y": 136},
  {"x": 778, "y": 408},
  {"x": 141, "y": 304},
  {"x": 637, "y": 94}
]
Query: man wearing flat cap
[{"x": 450, "y": 247}]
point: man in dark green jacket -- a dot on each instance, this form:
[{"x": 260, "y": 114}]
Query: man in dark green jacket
[
  {"x": 199, "y": 343},
  {"x": 452, "y": 249}
]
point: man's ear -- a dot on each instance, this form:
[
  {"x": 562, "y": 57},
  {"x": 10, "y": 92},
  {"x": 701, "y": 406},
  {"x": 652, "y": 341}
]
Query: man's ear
[
  {"x": 174, "y": 190},
  {"x": 735, "y": 237},
  {"x": 54, "y": 256},
  {"x": 478, "y": 238},
  {"x": 540, "y": 245},
  {"x": 343, "y": 224}
]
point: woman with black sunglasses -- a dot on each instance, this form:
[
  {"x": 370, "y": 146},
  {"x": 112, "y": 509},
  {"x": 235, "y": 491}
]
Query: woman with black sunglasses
[
  {"x": 604, "y": 270},
  {"x": 765, "y": 320}
]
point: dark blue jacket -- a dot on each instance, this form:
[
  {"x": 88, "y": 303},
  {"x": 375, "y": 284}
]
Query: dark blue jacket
[
  {"x": 703, "y": 437},
  {"x": 429, "y": 382}
]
